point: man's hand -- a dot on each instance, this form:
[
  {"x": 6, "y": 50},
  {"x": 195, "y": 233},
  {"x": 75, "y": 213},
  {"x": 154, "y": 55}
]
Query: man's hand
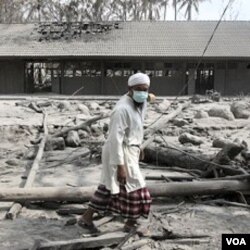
[
  {"x": 151, "y": 97},
  {"x": 122, "y": 174}
]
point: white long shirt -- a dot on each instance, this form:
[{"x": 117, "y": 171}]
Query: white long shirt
[{"x": 122, "y": 146}]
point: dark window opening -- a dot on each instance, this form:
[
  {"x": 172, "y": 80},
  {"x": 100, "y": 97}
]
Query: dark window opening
[
  {"x": 204, "y": 78},
  {"x": 39, "y": 76}
]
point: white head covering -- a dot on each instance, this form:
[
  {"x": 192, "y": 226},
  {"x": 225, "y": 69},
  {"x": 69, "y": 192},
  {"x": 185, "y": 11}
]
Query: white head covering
[{"x": 138, "y": 78}]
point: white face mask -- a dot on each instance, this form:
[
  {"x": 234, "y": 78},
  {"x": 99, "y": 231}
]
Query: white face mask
[{"x": 140, "y": 96}]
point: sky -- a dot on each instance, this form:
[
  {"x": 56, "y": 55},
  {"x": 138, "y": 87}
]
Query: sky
[{"x": 212, "y": 10}]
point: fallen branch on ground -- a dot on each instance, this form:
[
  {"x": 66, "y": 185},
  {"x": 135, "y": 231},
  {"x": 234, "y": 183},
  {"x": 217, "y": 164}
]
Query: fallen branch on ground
[
  {"x": 157, "y": 190},
  {"x": 108, "y": 239},
  {"x": 16, "y": 207},
  {"x": 224, "y": 202}
]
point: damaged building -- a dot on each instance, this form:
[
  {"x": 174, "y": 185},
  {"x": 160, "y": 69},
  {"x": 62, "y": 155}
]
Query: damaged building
[{"x": 98, "y": 58}]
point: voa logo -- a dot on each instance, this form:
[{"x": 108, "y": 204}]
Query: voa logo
[{"x": 236, "y": 241}]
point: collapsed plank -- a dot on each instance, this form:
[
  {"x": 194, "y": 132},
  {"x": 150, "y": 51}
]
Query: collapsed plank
[
  {"x": 108, "y": 239},
  {"x": 156, "y": 190}
]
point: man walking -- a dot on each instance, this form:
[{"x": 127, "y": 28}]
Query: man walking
[{"x": 122, "y": 188}]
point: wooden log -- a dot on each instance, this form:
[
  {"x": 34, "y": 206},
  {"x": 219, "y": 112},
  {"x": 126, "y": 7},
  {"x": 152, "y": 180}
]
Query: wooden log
[
  {"x": 35, "y": 165},
  {"x": 71, "y": 209},
  {"x": 13, "y": 211},
  {"x": 108, "y": 239},
  {"x": 234, "y": 177},
  {"x": 16, "y": 207},
  {"x": 174, "y": 157},
  {"x": 80, "y": 126},
  {"x": 188, "y": 241},
  {"x": 157, "y": 190},
  {"x": 229, "y": 203},
  {"x": 162, "y": 120},
  {"x": 198, "y": 188},
  {"x": 173, "y": 178},
  {"x": 193, "y": 172},
  {"x": 224, "y": 156}
]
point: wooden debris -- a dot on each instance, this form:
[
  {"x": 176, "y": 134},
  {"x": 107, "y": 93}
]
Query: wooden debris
[
  {"x": 108, "y": 239},
  {"x": 16, "y": 207},
  {"x": 81, "y": 126},
  {"x": 128, "y": 236},
  {"x": 72, "y": 139},
  {"x": 34, "y": 107},
  {"x": 173, "y": 178},
  {"x": 164, "y": 119},
  {"x": 55, "y": 144},
  {"x": 71, "y": 209},
  {"x": 189, "y": 241},
  {"x": 227, "y": 153},
  {"x": 81, "y": 153},
  {"x": 174, "y": 157},
  {"x": 229, "y": 203},
  {"x": 156, "y": 190},
  {"x": 136, "y": 245}
]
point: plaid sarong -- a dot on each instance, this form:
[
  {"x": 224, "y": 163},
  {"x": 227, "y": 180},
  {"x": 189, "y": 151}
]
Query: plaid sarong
[{"x": 130, "y": 205}]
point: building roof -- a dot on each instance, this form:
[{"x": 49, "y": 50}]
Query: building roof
[{"x": 168, "y": 39}]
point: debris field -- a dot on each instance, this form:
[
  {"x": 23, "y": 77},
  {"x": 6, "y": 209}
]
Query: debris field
[{"x": 196, "y": 165}]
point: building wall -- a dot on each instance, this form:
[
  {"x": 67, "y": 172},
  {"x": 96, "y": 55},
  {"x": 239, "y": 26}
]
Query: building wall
[
  {"x": 238, "y": 80},
  {"x": 230, "y": 78},
  {"x": 219, "y": 80},
  {"x": 234, "y": 79},
  {"x": 83, "y": 85},
  {"x": 11, "y": 77},
  {"x": 115, "y": 85},
  {"x": 111, "y": 77}
]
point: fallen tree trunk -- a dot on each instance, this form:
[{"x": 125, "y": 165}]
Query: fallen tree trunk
[
  {"x": 157, "y": 190},
  {"x": 16, "y": 207},
  {"x": 224, "y": 156},
  {"x": 174, "y": 157}
]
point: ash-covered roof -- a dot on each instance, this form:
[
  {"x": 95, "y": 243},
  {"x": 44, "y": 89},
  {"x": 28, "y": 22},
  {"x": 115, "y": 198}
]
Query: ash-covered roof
[{"x": 127, "y": 39}]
